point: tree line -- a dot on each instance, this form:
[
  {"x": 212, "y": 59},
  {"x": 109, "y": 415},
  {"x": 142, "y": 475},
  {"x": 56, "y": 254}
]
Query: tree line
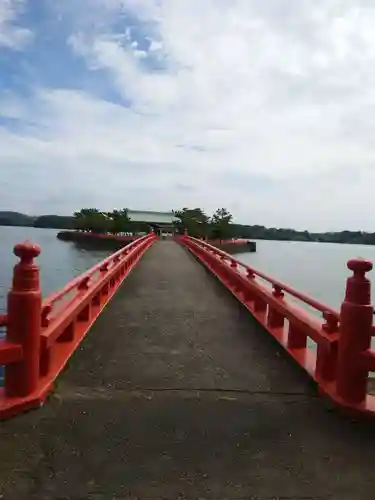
[
  {"x": 200, "y": 225},
  {"x": 194, "y": 219},
  {"x": 96, "y": 221}
]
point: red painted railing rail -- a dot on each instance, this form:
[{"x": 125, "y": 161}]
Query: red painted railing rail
[
  {"x": 342, "y": 359},
  {"x": 41, "y": 335}
]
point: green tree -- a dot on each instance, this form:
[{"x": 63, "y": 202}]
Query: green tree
[
  {"x": 221, "y": 224},
  {"x": 91, "y": 219},
  {"x": 82, "y": 219},
  {"x": 79, "y": 221},
  {"x": 192, "y": 219},
  {"x": 119, "y": 221}
]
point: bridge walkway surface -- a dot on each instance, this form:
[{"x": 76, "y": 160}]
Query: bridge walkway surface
[{"x": 177, "y": 393}]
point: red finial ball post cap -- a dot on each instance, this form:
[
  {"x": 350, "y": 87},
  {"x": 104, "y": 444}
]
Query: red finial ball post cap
[
  {"x": 360, "y": 266},
  {"x": 26, "y": 251}
]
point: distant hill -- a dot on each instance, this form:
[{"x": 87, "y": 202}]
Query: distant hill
[
  {"x": 8, "y": 218},
  {"x": 54, "y": 221}
]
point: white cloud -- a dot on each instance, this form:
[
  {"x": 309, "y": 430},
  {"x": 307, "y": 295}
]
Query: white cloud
[
  {"x": 242, "y": 67},
  {"x": 11, "y": 35},
  {"x": 228, "y": 96}
]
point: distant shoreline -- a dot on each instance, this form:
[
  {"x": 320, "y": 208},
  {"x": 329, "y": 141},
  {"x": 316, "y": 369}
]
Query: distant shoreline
[
  {"x": 90, "y": 240},
  {"x": 111, "y": 241},
  {"x": 254, "y": 232}
]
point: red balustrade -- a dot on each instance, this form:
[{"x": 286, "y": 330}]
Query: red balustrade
[
  {"x": 342, "y": 358},
  {"x": 41, "y": 335},
  {"x": 232, "y": 241},
  {"x": 99, "y": 236}
]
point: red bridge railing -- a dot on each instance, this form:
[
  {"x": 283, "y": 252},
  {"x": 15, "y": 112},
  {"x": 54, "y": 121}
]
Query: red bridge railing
[
  {"x": 342, "y": 359},
  {"x": 41, "y": 335}
]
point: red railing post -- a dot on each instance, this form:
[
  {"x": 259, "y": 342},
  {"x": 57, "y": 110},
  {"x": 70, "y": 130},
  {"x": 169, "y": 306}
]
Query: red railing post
[
  {"x": 326, "y": 359},
  {"x": 274, "y": 318},
  {"x": 355, "y": 333},
  {"x": 24, "y": 322}
]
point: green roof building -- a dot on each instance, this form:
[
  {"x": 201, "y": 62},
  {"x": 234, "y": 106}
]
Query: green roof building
[
  {"x": 152, "y": 217},
  {"x": 160, "y": 222}
]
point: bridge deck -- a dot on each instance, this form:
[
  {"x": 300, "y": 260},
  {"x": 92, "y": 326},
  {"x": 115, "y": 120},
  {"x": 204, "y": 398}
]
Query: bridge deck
[{"x": 177, "y": 393}]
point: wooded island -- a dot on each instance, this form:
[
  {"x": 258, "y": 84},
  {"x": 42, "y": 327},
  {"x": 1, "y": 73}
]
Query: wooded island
[{"x": 9, "y": 218}]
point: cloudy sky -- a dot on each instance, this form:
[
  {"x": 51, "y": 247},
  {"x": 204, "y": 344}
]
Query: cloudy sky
[{"x": 266, "y": 107}]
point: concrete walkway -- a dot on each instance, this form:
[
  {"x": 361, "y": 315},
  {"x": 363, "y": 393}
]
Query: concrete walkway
[{"x": 177, "y": 393}]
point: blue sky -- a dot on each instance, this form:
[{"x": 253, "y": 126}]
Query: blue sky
[{"x": 266, "y": 108}]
